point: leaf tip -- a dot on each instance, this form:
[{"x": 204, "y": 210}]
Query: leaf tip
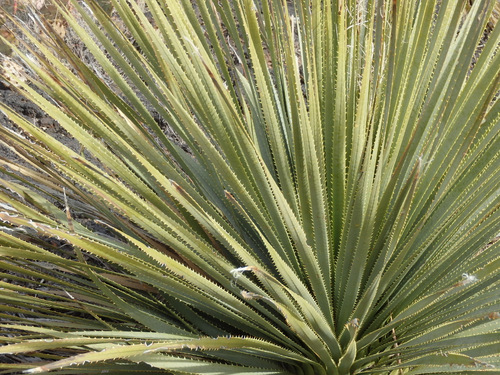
[
  {"x": 238, "y": 272},
  {"x": 35, "y": 370},
  {"x": 468, "y": 279}
]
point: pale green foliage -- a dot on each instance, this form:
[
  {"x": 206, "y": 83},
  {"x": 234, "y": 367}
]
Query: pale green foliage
[{"x": 336, "y": 212}]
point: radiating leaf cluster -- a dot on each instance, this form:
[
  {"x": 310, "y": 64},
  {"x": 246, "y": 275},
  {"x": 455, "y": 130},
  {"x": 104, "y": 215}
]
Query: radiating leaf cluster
[{"x": 329, "y": 205}]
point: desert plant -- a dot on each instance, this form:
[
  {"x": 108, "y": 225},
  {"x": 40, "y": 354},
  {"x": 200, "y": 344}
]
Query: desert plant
[{"x": 327, "y": 202}]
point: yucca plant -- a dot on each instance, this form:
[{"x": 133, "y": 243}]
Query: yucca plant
[{"x": 327, "y": 202}]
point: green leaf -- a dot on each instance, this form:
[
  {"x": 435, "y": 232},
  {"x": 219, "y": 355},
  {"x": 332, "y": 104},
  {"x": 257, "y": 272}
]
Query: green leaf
[{"x": 269, "y": 187}]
